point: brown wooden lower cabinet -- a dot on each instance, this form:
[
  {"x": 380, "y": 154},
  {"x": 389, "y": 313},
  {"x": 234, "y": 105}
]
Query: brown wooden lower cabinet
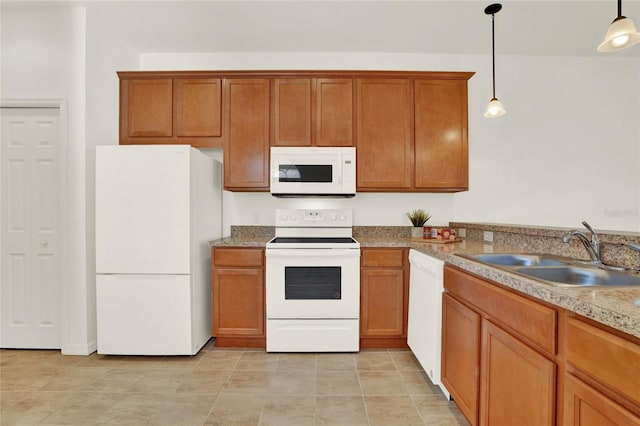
[
  {"x": 384, "y": 298},
  {"x": 238, "y": 297},
  {"x": 517, "y": 383},
  {"x": 537, "y": 365},
  {"x": 602, "y": 385},
  {"x": 584, "y": 406},
  {"x": 461, "y": 354}
]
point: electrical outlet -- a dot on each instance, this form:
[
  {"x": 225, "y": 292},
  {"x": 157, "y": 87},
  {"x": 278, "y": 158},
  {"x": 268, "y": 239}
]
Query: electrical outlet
[
  {"x": 462, "y": 233},
  {"x": 488, "y": 236}
]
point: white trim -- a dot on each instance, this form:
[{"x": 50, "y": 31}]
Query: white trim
[
  {"x": 34, "y": 103},
  {"x": 61, "y": 104},
  {"x": 79, "y": 349}
]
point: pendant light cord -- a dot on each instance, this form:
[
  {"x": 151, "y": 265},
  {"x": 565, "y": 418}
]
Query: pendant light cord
[
  {"x": 619, "y": 8},
  {"x": 493, "y": 51}
]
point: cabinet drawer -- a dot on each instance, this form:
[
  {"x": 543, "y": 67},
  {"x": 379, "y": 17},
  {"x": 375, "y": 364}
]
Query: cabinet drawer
[
  {"x": 238, "y": 257},
  {"x": 610, "y": 359},
  {"x": 383, "y": 257},
  {"x": 526, "y": 318}
]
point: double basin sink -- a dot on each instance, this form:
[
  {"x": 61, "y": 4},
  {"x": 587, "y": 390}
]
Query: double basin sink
[{"x": 556, "y": 270}]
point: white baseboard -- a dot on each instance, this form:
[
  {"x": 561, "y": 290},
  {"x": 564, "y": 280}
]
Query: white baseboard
[{"x": 80, "y": 349}]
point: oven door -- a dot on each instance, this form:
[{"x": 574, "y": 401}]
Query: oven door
[{"x": 313, "y": 283}]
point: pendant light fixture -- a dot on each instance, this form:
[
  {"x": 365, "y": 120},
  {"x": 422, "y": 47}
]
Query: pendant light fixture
[
  {"x": 494, "y": 109},
  {"x": 621, "y": 34}
]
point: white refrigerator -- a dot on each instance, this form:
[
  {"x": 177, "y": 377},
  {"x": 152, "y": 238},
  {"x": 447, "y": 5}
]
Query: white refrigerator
[{"x": 157, "y": 206}]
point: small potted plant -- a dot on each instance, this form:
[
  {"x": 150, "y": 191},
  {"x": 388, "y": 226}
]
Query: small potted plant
[{"x": 418, "y": 218}]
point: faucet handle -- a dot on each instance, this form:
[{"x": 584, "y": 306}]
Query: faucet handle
[{"x": 594, "y": 236}]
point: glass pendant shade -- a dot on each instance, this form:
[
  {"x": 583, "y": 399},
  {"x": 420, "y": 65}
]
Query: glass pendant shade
[
  {"x": 621, "y": 34},
  {"x": 494, "y": 109}
]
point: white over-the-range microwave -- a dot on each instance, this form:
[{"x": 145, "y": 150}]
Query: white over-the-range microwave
[{"x": 313, "y": 171}]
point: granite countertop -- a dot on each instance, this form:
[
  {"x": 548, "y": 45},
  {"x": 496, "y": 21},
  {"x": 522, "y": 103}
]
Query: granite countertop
[
  {"x": 618, "y": 307},
  {"x": 253, "y": 241}
]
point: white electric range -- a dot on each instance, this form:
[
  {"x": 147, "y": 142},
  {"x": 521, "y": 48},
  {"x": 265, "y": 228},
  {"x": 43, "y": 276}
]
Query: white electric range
[{"x": 313, "y": 282}]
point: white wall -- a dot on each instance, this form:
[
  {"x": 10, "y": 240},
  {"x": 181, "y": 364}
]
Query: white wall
[
  {"x": 566, "y": 151},
  {"x": 106, "y": 54},
  {"x": 65, "y": 52},
  {"x": 43, "y": 57}
]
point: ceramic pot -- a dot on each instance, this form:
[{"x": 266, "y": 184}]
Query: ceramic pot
[{"x": 416, "y": 232}]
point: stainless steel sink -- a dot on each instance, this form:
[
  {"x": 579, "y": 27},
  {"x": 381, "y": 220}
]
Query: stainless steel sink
[
  {"x": 580, "y": 276},
  {"x": 519, "y": 259},
  {"x": 556, "y": 270}
]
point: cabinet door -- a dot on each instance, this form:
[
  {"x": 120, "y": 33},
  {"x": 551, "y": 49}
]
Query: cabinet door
[
  {"x": 238, "y": 302},
  {"x": 517, "y": 383},
  {"x": 198, "y": 107},
  {"x": 147, "y": 106},
  {"x": 384, "y": 141},
  {"x": 382, "y": 310},
  {"x": 584, "y": 406},
  {"x": 292, "y": 112},
  {"x": 460, "y": 355},
  {"x": 246, "y": 145},
  {"x": 441, "y": 151},
  {"x": 334, "y": 112},
  {"x": 603, "y": 356}
]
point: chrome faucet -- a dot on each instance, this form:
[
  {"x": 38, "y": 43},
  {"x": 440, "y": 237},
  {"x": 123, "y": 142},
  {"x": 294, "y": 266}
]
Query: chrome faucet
[{"x": 591, "y": 243}]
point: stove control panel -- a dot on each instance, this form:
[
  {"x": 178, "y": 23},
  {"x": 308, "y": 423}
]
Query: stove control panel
[{"x": 314, "y": 218}]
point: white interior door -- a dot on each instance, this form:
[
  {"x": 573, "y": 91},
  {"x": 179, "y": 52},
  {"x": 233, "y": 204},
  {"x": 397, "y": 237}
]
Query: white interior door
[{"x": 30, "y": 247}]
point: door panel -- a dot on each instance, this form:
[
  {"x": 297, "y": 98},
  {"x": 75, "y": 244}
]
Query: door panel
[
  {"x": 31, "y": 283},
  {"x": 246, "y": 144},
  {"x": 441, "y": 152},
  {"x": 384, "y": 133},
  {"x": 144, "y": 314},
  {"x": 145, "y": 228},
  {"x": 518, "y": 384},
  {"x": 292, "y": 112},
  {"x": 334, "y": 112}
]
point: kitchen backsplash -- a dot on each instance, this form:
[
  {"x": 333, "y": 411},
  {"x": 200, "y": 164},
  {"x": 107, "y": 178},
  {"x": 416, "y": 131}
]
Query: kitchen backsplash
[
  {"x": 529, "y": 238},
  {"x": 252, "y": 231},
  {"x": 549, "y": 240}
]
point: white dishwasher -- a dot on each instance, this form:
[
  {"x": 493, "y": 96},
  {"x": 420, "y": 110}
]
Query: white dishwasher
[{"x": 425, "y": 313}]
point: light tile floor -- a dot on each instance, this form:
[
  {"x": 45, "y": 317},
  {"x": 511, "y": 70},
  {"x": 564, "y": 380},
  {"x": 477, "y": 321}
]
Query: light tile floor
[{"x": 220, "y": 387}]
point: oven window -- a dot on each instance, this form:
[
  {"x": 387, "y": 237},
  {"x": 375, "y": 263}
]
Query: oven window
[
  {"x": 312, "y": 282},
  {"x": 306, "y": 173}
]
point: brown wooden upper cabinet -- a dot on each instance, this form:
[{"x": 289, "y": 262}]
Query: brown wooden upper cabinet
[
  {"x": 246, "y": 145},
  {"x": 384, "y": 142},
  {"x": 198, "y": 107},
  {"x": 170, "y": 111},
  {"x": 412, "y": 135},
  {"x": 410, "y": 128},
  {"x": 312, "y": 112},
  {"x": 334, "y": 112},
  {"x": 147, "y": 107},
  {"x": 441, "y": 150},
  {"x": 291, "y": 112}
]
